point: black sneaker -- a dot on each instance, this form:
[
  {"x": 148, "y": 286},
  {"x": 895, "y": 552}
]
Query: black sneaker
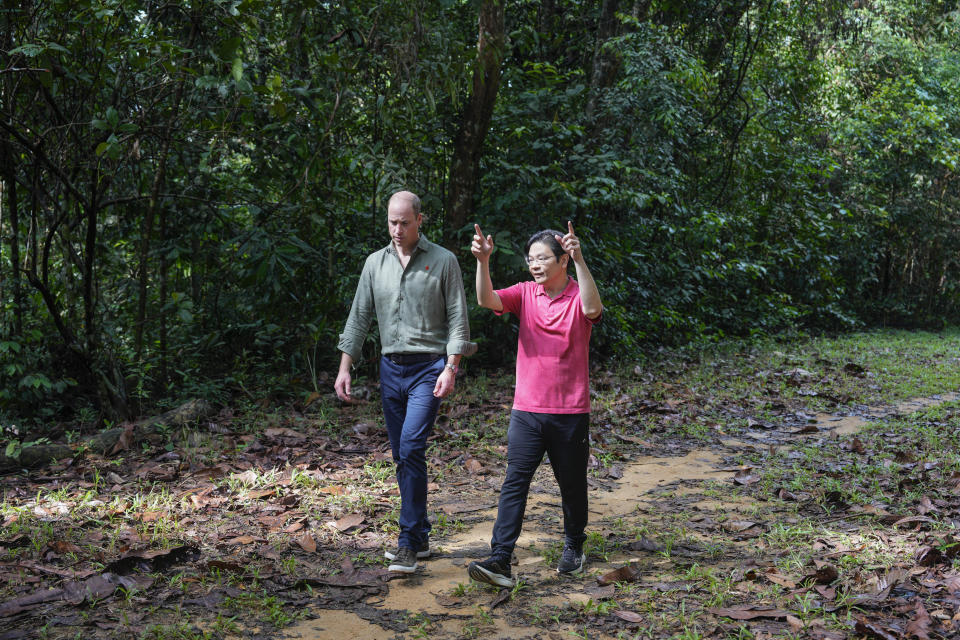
[
  {"x": 571, "y": 562},
  {"x": 404, "y": 561},
  {"x": 491, "y": 571},
  {"x": 422, "y": 552}
]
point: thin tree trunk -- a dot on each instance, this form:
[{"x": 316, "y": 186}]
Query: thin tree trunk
[
  {"x": 605, "y": 64},
  {"x": 468, "y": 145},
  {"x": 90, "y": 256},
  {"x": 147, "y": 226},
  {"x": 163, "y": 298},
  {"x": 13, "y": 208}
]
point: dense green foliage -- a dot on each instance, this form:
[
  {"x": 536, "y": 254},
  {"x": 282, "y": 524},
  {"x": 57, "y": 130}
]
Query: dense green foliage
[{"x": 189, "y": 189}]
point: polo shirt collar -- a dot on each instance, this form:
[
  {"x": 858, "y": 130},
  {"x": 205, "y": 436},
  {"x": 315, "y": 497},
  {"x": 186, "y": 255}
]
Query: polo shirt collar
[{"x": 567, "y": 290}]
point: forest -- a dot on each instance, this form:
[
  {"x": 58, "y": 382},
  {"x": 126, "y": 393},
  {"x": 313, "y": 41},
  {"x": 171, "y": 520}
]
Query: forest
[
  {"x": 766, "y": 192},
  {"x": 189, "y": 188}
]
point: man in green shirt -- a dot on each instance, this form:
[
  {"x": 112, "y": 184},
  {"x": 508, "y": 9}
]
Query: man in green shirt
[{"x": 415, "y": 288}]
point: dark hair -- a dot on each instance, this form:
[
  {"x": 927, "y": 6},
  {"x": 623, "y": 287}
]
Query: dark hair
[{"x": 549, "y": 238}]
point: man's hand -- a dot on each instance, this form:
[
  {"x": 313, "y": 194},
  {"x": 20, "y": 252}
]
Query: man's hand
[
  {"x": 342, "y": 387},
  {"x": 445, "y": 383},
  {"x": 482, "y": 247},
  {"x": 571, "y": 244}
]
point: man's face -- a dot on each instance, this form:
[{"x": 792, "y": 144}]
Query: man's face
[{"x": 403, "y": 223}]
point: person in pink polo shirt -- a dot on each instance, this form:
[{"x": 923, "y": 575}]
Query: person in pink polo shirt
[{"x": 551, "y": 404}]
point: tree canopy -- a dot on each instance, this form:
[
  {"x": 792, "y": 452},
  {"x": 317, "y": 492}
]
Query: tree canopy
[{"x": 189, "y": 189}]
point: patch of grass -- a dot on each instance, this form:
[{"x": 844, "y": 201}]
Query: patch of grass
[
  {"x": 263, "y": 606},
  {"x": 478, "y": 625},
  {"x": 599, "y": 546},
  {"x": 179, "y": 631}
]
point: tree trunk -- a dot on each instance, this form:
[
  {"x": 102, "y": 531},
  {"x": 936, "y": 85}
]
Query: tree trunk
[
  {"x": 146, "y": 229},
  {"x": 13, "y": 216},
  {"x": 163, "y": 298},
  {"x": 468, "y": 145},
  {"x": 605, "y": 64}
]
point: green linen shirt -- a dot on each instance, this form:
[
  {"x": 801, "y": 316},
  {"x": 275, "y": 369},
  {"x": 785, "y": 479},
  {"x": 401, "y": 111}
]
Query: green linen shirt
[{"x": 420, "y": 309}]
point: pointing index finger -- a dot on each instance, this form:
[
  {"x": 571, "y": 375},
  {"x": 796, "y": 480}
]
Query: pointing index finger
[
  {"x": 570, "y": 227},
  {"x": 476, "y": 228}
]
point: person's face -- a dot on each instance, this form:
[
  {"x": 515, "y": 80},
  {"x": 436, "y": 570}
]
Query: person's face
[
  {"x": 544, "y": 266},
  {"x": 403, "y": 223}
]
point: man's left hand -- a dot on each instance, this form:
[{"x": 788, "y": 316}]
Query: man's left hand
[
  {"x": 445, "y": 383},
  {"x": 571, "y": 243}
]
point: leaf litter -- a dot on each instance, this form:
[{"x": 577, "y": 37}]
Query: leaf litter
[{"x": 816, "y": 533}]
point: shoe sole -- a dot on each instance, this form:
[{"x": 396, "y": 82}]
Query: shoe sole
[
  {"x": 402, "y": 568},
  {"x": 421, "y": 555},
  {"x": 578, "y": 570},
  {"x": 480, "y": 574}
]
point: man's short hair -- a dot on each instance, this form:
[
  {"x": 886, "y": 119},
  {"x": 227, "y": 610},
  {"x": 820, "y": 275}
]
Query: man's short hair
[{"x": 411, "y": 198}]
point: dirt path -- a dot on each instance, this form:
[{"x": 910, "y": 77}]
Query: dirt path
[{"x": 437, "y": 601}]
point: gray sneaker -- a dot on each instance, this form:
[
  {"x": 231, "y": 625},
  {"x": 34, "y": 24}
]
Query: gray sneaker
[
  {"x": 571, "y": 562},
  {"x": 405, "y": 561},
  {"x": 422, "y": 552}
]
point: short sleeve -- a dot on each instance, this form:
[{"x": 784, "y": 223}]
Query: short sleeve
[{"x": 511, "y": 298}]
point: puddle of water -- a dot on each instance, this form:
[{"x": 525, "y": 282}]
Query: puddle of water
[
  {"x": 439, "y": 576},
  {"x": 849, "y": 425},
  {"x": 845, "y": 426},
  {"x": 488, "y": 630},
  {"x": 334, "y": 623},
  {"x": 647, "y": 473},
  {"x": 909, "y": 406}
]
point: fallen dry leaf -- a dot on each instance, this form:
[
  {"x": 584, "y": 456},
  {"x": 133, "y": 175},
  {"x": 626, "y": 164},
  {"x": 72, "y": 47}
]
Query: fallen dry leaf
[
  {"x": 125, "y": 441},
  {"x": 307, "y": 543},
  {"x": 348, "y": 522},
  {"x": 629, "y": 616},
  {"x": 736, "y": 526},
  {"x": 600, "y": 593},
  {"x": 148, "y": 560},
  {"x": 872, "y": 630},
  {"x": 919, "y": 625},
  {"x": 779, "y": 579},
  {"x": 748, "y": 612},
  {"x": 796, "y": 624},
  {"x": 284, "y": 432},
  {"x": 623, "y": 574}
]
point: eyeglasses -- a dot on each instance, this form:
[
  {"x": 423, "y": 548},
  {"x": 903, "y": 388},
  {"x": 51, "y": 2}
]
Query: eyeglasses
[{"x": 541, "y": 260}]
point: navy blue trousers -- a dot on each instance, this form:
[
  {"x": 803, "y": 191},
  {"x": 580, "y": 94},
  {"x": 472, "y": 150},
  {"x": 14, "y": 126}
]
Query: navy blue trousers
[
  {"x": 564, "y": 437},
  {"x": 409, "y": 409}
]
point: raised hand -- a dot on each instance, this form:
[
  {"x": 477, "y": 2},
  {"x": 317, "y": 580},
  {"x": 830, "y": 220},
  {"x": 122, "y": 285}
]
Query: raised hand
[
  {"x": 482, "y": 247},
  {"x": 571, "y": 243}
]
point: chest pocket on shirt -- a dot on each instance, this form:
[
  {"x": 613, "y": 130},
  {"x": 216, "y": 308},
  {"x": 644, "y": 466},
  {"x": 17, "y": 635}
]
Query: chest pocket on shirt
[{"x": 424, "y": 294}]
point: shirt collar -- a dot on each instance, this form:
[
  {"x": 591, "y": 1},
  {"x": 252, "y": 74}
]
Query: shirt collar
[
  {"x": 566, "y": 293},
  {"x": 422, "y": 245}
]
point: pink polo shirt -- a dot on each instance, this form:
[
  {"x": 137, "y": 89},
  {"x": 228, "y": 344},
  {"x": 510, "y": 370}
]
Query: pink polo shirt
[{"x": 553, "y": 348}]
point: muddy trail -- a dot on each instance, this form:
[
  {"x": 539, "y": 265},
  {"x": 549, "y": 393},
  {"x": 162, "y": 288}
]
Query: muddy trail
[{"x": 440, "y": 602}]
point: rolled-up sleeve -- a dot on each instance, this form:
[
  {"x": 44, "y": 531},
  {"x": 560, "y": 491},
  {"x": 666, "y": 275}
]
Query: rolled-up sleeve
[
  {"x": 361, "y": 316},
  {"x": 458, "y": 324}
]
